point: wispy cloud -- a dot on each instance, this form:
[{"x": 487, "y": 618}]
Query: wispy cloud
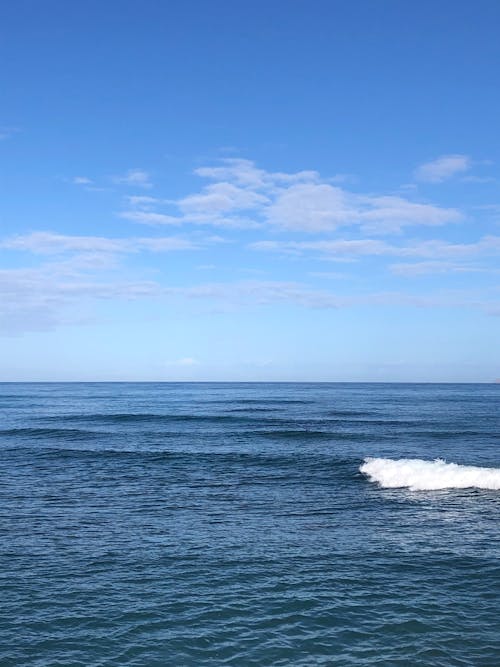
[
  {"x": 62, "y": 292},
  {"x": 150, "y": 217},
  {"x": 330, "y": 275},
  {"x": 145, "y": 202},
  {"x": 79, "y": 271},
  {"x": 7, "y": 132},
  {"x": 478, "y": 179},
  {"x": 438, "y": 267},
  {"x": 82, "y": 180},
  {"x": 442, "y": 168},
  {"x": 341, "y": 247},
  {"x": 234, "y": 170},
  {"x": 262, "y": 293},
  {"x": 53, "y": 294},
  {"x": 48, "y": 243},
  {"x": 486, "y": 246},
  {"x": 134, "y": 177}
]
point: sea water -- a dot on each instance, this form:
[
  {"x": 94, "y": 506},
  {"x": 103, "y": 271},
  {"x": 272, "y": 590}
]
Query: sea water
[{"x": 249, "y": 524}]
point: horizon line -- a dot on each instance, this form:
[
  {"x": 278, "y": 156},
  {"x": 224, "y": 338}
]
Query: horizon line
[{"x": 497, "y": 382}]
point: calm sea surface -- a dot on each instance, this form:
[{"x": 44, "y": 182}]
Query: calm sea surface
[{"x": 228, "y": 524}]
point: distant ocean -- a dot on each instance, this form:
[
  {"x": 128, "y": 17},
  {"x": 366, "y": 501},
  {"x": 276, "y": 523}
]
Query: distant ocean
[{"x": 171, "y": 525}]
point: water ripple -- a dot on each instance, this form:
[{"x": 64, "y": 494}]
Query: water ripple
[{"x": 210, "y": 525}]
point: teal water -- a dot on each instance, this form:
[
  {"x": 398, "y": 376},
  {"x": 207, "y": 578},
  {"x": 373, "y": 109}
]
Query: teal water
[{"x": 229, "y": 524}]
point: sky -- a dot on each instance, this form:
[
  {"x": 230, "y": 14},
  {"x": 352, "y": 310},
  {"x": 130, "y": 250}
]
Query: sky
[{"x": 279, "y": 190}]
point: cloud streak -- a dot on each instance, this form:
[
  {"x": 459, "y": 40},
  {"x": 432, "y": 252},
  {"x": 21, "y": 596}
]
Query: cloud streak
[
  {"x": 355, "y": 248},
  {"x": 7, "y": 132},
  {"x": 134, "y": 178},
  {"x": 59, "y": 293},
  {"x": 48, "y": 243},
  {"x": 442, "y": 168}
]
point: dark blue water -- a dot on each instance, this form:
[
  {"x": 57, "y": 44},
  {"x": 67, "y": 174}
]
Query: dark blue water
[{"x": 228, "y": 524}]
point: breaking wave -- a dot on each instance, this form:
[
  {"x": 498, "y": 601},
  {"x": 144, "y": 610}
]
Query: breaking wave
[{"x": 420, "y": 475}]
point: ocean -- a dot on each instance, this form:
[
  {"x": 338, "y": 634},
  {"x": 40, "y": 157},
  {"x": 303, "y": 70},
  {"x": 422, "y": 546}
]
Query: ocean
[{"x": 158, "y": 525}]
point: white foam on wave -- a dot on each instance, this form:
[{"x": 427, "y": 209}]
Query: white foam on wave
[{"x": 420, "y": 475}]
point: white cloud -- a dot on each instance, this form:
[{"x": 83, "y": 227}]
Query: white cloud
[
  {"x": 428, "y": 268},
  {"x": 134, "y": 177},
  {"x": 143, "y": 201},
  {"x": 153, "y": 218},
  {"x": 484, "y": 247},
  {"x": 439, "y": 267},
  {"x": 48, "y": 243},
  {"x": 323, "y": 207},
  {"x": 219, "y": 198},
  {"x": 268, "y": 293},
  {"x": 330, "y": 275},
  {"x": 389, "y": 213},
  {"x": 478, "y": 179},
  {"x": 338, "y": 247},
  {"x": 82, "y": 180},
  {"x": 442, "y": 168},
  {"x": 240, "y": 171},
  {"x": 262, "y": 293},
  {"x": 245, "y": 173},
  {"x": 433, "y": 249},
  {"x": 63, "y": 292},
  {"x": 244, "y": 196},
  {"x": 57, "y": 293},
  {"x": 307, "y": 176},
  {"x": 85, "y": 268},
  {"x": 150, "y": 218},
  {"x": 311, "y": 207}
]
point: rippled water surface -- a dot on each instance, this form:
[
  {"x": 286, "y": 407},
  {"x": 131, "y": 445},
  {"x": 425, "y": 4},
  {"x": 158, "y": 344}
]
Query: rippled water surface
[{"x": 228, "y": 524}]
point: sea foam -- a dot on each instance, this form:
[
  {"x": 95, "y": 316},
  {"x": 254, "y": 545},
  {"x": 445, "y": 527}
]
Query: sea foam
[{"x": 420, "y": 475}]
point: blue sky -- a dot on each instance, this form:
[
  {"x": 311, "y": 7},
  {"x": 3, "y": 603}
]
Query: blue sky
[{"x": 250, "y": 191}]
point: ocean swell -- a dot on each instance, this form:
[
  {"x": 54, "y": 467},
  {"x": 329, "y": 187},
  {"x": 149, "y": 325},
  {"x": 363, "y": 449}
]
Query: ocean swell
[{"x": 420, "y": 475}]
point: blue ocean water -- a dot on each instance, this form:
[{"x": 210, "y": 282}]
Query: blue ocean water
[{"x": 229, "y": 524}]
